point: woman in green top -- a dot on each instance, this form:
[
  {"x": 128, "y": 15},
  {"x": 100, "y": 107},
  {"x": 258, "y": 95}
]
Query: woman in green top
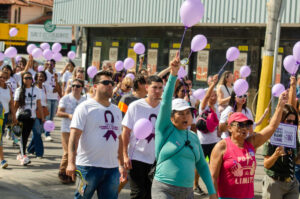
[{"x": 177, "y": 150}]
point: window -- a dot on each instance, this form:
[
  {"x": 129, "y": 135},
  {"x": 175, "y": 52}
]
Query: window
[
  {"x": 16, "y": 13},
  {"x": 19, "y": 15}
]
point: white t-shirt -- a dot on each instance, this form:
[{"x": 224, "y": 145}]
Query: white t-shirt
[
  {"x": 69, "y": 103},
  {"x": 50, "y": 85},
  {"x": 210, "y": 137},
  {"x": 43, "y": 96},
  {"x": 12, "y": 84},
  {"x": 18, "y": 78},
  {"x": 34, "y": 94},
  {"x": 141, "y": 150},
  {"x": 101, "y": 126},
  {"x": 65, "y": 78},
  {"x": 5, "y": 98},
  {"x": 224, "y": 117}
]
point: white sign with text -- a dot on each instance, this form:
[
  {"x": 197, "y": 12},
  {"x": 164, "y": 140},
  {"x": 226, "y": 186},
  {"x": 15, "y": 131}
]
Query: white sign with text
[{"x": 285, "y": 135}]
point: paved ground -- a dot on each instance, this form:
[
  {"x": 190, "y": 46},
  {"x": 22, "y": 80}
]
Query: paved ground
[{"x": 39, "y": 179}]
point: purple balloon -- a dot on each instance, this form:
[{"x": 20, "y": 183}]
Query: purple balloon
[
  {"x": 232, "y": 54},
  {"x": 41, "y": 68},
  {"x": 131, "y": 76},
  {"x": 18, "y": 58},
  {"x": 290, "y": 64},
  {"x": 277, "y": 89},
  {"x": 49, "y": 125},
  {"x": 128, "y": 63},
  {"x": 92, "y": 71},
  {"x": 181, "y": 73},
  {"x": 240, "y": 87},
  {"x": 1, "y": 56},
  {"x": 47, "y": 54},
  {"x": 37, "y": 52},
  {"x": 56, "y": 47},
  {"x": 13, "y": 32},
  {"x": 71, "y": 55},
  {"x": 191, "y": 12},
  {"x": 198, "y": 43},
  {"x": 199, "y": 94},
  {"x": 296, "y": 51},
  {"x": 119, "y": 65},
  {"x": 11, "y": 52},
  {"x": 30, "y": 48},
  {"x": 142, "y": 128},
  {"x": 139, "y": 48},
  {"x": 245, "y": 71},
  {"x": 57, "y": 57},
  {"x": 45, "y": 46}
]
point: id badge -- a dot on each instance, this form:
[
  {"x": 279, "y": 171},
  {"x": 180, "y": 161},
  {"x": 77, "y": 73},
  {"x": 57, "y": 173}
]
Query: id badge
[{"x": 81, "y": 183}]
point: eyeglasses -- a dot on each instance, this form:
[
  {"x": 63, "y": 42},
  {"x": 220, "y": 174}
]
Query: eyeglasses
[
  {"x": 242, "y": 96},
  {"x": 289, "y": 122},
  {"x": 106, "y": 82},
  {"x": 185, "y": 91},
  {"x": 28, "y": 78},
  {"x": 76, "y": 85},
  {"x": 242, "y": 125}
]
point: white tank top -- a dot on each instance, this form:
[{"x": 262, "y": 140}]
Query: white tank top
[
  {"x": 226, "y": 93},
  {"x": 5, "y": 98}
]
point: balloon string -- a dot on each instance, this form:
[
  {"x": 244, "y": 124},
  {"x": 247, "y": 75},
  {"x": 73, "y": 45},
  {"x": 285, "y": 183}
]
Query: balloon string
[
  {"x": 189, "y": 56},
  {"x": 221, "y": 70},
  {"x": 270, "y": 101},
  {"x": 185, "y": 28}
]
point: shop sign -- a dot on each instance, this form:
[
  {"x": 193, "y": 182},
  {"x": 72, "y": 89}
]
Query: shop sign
[
  {"x": 37, "y": 33},
  {"x": 22, "y": 32}
]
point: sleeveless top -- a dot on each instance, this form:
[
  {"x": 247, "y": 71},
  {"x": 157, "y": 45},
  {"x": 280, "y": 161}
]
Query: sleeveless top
[
  {"x": 226, "y": 93},
  {"x": 5, "y": 98},
  {"x": 236, "y": 178}
]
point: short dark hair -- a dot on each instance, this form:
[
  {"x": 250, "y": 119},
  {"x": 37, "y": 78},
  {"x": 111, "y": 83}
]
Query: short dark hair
[
  {"x": 80, "y": 81},
  {"x": 8, "y": 67},
  {"x": 154, "y": 78},
  {"x": 52, "y": 60},
  {"x": 40, "y": 72},
  {"x": 97, "y": 77},
  {"x": 138, "y": 79},
  {"x": 72, "y": 63}
]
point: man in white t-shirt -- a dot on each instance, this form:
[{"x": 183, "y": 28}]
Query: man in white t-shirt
[
  {"x": 53, "y": 91},
  {"x": 139, "y": 155},
  {"x": 96, "y": 143},
  {"x": 66, "y": 76}
]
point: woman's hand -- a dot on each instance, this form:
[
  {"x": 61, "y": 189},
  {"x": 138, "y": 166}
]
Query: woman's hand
[
  {"x": 215, "y": 79},
  {"x": 279, "y": 152},
  {"x": 283, "y": 99},
  {"x": 175, "y": 64}
]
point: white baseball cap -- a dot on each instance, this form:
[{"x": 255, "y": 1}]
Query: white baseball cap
[{"x": 179, "y": 104}]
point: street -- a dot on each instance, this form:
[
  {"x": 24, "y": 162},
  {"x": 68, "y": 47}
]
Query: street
[{"x": 39, "y": 179}]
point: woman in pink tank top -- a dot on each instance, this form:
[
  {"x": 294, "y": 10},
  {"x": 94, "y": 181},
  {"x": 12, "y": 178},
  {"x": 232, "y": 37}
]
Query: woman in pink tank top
[{"x": 233, "y": 163}]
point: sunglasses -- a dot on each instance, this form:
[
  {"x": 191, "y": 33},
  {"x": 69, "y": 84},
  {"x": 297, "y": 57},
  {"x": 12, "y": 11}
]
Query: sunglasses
[
  {"x": 28, "y": 78},
  {"x": 242, "y": 125},
  {"x": 106, "y": 82},
  {"x": 76, "y": 85},
  {"x": 289, "y": 122},
  {"x": 242, "y": 96}
]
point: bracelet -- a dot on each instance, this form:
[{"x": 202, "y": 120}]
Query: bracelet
[{"x": 121, "y": 166}]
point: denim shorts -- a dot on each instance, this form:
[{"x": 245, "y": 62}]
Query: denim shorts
[{"x": 103, "y": 180}]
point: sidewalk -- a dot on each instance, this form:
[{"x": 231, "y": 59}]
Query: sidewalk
[{"x": 39, "y": 179}]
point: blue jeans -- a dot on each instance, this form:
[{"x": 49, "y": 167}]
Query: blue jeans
[
  {"x": 104, "y": 180},
  {"x": 36, "y": 144},
  {"x": 297, "y": 173},
  {"x": 52, "y": 107}
]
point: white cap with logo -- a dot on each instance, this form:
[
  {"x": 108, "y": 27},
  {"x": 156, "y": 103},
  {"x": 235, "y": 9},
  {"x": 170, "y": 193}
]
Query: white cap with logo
[{"x": 179, "y": 104}]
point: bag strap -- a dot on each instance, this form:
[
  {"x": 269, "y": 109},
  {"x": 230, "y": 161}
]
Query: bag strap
[
  {"x": 31, "y": 97},
  {"x": 186, "y": 143},
  {"x": 227, "y": 90}
]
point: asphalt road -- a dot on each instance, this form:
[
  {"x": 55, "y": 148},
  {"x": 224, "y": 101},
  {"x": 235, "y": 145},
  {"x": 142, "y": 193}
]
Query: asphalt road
[{"x": 39, "y": 179}]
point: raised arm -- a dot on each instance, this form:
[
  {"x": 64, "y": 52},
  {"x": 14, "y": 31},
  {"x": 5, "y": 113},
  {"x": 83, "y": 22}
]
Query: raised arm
[
  {"x": 209, "y": 92},
  {"x": 29, "y": 63},
  {"x": 261, "y": 137},
  {"x": 164, "y": 72},
  {"x": 292, "y": 93}
]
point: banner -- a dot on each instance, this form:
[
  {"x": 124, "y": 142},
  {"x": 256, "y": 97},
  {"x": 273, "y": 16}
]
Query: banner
[{"x": 22, "y": 32}]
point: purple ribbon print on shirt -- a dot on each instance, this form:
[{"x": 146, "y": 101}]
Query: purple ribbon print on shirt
[
  {"x": 109, "y": 126},
  {"x": 152, "y": 135}
]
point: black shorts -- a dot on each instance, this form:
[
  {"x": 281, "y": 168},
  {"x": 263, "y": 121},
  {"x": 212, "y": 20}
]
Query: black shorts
[{"x": 207, "y": 149}]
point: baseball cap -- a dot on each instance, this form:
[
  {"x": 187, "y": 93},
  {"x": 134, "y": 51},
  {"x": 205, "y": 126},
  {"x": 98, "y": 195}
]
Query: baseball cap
[
  {"x": 239, "y": 117},
  {"x": 179, "y": 104}
]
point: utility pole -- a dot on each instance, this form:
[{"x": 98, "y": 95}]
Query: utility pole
[{"x": 264, "y": 92}]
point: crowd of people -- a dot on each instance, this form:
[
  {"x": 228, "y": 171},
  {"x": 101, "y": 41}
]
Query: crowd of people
[{"x": 213, "y": 138}]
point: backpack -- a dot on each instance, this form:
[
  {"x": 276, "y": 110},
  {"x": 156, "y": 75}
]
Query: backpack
[{"x": 207, "y": 121}]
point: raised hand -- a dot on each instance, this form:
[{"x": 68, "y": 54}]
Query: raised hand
[{"x": 175, "y": 64}]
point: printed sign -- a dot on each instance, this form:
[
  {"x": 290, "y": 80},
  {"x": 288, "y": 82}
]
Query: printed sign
[
  {"x": 113, "y": 54},
  {"x": 238, "y": 63},
  {"x": 202, "y": 65},
  {"x": 152, "y": 60},
  {"x": 22, "y": 32},
  {"x": 285, "y": 135},
  {"x": 96, "y": 57}
]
